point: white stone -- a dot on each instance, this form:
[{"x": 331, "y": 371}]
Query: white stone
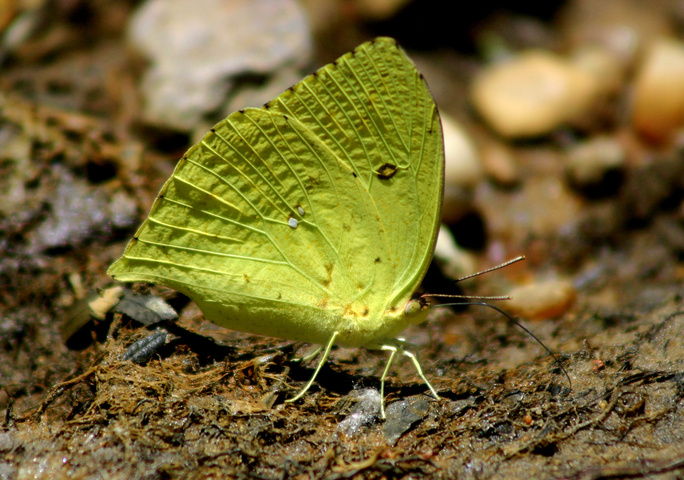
[
  {"x": 590, "y": 160},
  {"x": 542, "y": 300},
  {"x": 196, "y": 46},
  {"x": 462, "y": 167},
  {"x": 658, "y": 102},
  {"x": 455, "y": 261},
  {"x": 532, "y": 94}
]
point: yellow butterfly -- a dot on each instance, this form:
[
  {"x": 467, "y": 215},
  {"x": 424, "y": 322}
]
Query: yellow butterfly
[{"x": 312, "y": 218}]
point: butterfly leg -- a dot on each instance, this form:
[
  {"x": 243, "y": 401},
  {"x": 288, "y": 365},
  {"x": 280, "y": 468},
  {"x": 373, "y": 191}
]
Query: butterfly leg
[
  {"x": 402, "y": 344},
  {"x": 326, "y": 353},
  {"x": 416, "y": 362},
  {"x": 394, "y": 350},
  {"x": 309, "y": 356}
]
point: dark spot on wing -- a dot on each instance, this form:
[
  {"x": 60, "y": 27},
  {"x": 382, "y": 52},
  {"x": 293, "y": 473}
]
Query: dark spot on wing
[
  {"x": 366, "y": 310},
  {"x": 329, "y": 267},
  {"x": 386, "y": 171},
  {"x": 247, "y": 279},
  {"x": 377, "y": 260}
]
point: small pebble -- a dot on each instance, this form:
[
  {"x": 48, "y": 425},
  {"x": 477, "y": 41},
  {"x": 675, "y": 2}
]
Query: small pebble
[
  {"x": 607, "y": 69},
  {"x": 462, "y": 165},
  {"x": 499, "y": 163},
  {"x": 544, "y": 205},
  {"x": 105, "y": 301},
  {"x": 658, "y": 102},
  {"x": 250, "y": 95},
  {"x": 589, "y": 161},
  {"x": 622, "y": 27},
  {"x": 456, "y": 262},
  {"x": 532, "y": 94},
  {"x": 403, "y": 414},
  {"x": 542, "y": 300},
  {"x": 376, "y": 10},
  {"x": 146, "y": 309},
  {"x": 458, "y": 202},
  {"x": 363, "y": 414}
]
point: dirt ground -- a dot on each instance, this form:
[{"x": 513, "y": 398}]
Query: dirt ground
[{"x": 79, "y": 172}]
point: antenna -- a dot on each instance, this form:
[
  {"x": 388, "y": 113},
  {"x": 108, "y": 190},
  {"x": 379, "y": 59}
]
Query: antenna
[{"x": 502, "y": 312}]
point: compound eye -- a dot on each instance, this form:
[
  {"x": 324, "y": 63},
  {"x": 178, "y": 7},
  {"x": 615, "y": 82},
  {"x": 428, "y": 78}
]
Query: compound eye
[
  {"x": 416, "y": 311},
  {"x": 413, "y": 307}
]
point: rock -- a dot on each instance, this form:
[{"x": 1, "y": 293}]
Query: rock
[
  {"x": 462, "y": 165},
  {"x": 123, "y": 210},
  {"x": 103, "y": 302},
  {"x": 589, "y": 161},
  {"x": 376, "y": 10},
  {"x": 256, "y": 96},
  {"x": 542, "y": 208},
  {"x": 541, "y": 300},
  {"x": 607, "y": 69},
  {"x": 77, "y": 212},
  {"x": 249, "y": 95},
  {"x": 532, "y": 94},
  {"x": 658, "y": 102},
  {"x": 197, "y": 46},
  {"x": 462, "y": 170},
  {"x": 455, "y": 261},
  {"x": 403, "y": 414},
  {"x": 363, "y": 414},
  {"x": 499, "y": 163},
  {"x": 623, "y": 27},
  {"x": 458, "y": 202}
]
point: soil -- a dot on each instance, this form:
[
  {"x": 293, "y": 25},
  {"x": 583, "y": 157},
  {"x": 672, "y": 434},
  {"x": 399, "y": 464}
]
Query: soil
[{"x": 79, "y": 172}]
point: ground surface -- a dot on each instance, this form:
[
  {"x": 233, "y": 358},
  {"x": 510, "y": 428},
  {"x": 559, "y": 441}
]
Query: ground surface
[{"x": 79, "y": 171}]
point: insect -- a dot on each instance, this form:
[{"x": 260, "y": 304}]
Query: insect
[{"x": 312, "y": 218}]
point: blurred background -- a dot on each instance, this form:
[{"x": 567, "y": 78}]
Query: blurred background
[{"x": 564, "y": 130}]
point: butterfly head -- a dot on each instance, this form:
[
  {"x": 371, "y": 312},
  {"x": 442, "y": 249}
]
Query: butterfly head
[{"x": 416, "y": 310}]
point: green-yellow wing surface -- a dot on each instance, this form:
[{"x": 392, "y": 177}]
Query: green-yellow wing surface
[{"x": 316, "y": 213}]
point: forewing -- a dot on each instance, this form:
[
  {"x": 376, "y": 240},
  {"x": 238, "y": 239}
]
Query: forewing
[{"x": 372, "y": 109}]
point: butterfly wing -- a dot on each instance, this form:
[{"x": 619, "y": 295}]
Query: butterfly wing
[{"x": 315, "y": 213}]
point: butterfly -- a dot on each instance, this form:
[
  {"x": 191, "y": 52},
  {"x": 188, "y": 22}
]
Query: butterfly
[{"x": 312, "y": 218}]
